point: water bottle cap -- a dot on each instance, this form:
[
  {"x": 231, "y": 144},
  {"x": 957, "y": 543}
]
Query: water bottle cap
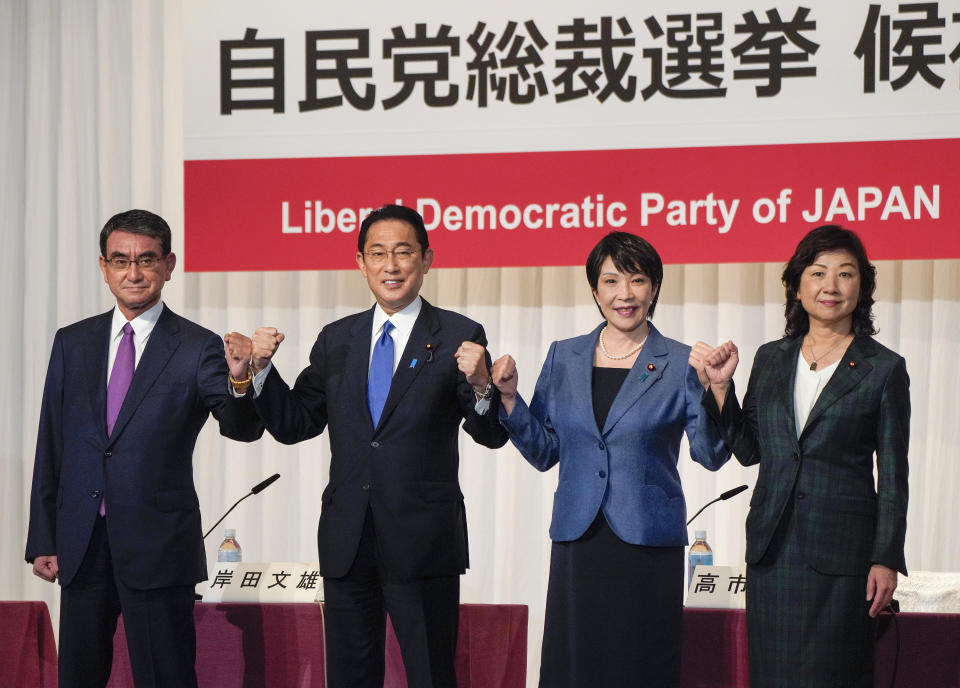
[
  {"x": 230, "y": 533},
  {"x": 700, "y": 535}
]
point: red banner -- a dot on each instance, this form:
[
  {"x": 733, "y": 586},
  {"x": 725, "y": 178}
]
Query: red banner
[{"x": 695, "y": 205}]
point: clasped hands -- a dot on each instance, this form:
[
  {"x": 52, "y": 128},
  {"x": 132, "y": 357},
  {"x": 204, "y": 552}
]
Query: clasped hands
[
  {"x": 242, "y": 351},
  {"x": 256, "y": 352},
  {"x": 714, "y": 366}
]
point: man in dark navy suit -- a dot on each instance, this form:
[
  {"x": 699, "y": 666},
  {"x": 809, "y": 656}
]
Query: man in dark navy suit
[
  {"x": 113, "y": 510},
  {"x": 393, "y": 385}
]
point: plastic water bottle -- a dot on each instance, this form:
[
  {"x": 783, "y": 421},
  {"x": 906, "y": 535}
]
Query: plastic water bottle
[
  {"x": 700, "y": 554},
  {"x": 230, "y": 549}
]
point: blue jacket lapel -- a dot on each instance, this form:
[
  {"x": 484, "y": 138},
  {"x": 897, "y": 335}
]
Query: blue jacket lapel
[
  {"x": 646, "y": 370},
  {"x": 163, "y": 341},
  {"x": 581, "y": 377}
]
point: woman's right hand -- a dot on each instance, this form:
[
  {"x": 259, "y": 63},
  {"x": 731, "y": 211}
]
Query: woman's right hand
[
  {"x": 720, "y": 364},
  {"x": 504, "y": 376}
]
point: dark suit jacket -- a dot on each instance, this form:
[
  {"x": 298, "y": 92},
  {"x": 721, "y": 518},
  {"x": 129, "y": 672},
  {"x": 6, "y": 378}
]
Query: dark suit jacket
[
  {"x": 145, "y": 468},
  {"x": 405, "y": 469},
  {"x": 845, "y": 523}
]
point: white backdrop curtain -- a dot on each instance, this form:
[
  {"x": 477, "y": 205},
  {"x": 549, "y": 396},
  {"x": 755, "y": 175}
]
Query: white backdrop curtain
[{"x": 91, "y": 123}]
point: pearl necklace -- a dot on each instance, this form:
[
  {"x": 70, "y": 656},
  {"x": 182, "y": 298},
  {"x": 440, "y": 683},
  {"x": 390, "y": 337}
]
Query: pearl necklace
[{"x": 630, "y": 353}]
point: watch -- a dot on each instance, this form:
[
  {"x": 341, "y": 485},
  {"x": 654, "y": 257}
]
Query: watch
[{"x": 483, "y": 400}]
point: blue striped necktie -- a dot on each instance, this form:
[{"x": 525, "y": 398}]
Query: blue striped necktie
[{"x": 381, "y": 373}]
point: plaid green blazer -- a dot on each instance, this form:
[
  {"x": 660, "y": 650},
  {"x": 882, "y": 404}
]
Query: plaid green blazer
[{"x": 846, "y": 523}]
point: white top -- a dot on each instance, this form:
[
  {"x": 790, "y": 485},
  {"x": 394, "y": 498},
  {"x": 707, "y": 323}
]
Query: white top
[
  {"x": 807, "y": 388},
  {"x": 142, "y": 327}
]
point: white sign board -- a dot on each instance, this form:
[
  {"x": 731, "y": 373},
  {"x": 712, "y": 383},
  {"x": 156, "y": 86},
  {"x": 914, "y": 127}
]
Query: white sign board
[
  {"x": 264, "y": 582},
  {"x": 718, "y": 587}
]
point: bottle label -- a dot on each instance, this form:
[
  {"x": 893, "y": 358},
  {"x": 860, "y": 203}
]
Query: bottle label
[
  {"x": 697, "y": 559},
  {"x": 229, "y": 555}
]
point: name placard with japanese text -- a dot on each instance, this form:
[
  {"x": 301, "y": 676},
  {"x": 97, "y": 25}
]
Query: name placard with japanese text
[
  {"x": 263, "y": 582},
  {"x": 718, "y": 587}
]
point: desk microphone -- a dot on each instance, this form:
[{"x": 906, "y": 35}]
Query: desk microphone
[
  {"x": 257, "y": 489},
  {"x": 726, "y": 495}
]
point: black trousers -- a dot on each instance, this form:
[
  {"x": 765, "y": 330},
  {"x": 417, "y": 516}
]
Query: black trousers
[
  {"x": 161, "y": 636},
  {"x": 424, "y": 612}
]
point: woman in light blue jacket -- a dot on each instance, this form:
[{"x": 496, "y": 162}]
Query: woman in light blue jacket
[{"x": 610, "y": 407}]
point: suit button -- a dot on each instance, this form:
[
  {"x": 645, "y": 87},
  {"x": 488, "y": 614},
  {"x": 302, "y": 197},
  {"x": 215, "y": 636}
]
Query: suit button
[
  {"x": 602, "y": 474},
  {"x": 796, "y": 456},
  {"x": 365, "y": 486},
  {"x": 96, "y": 494},
  {"x": 374, "y": 444},
  {"x": 801, "y": 495},
  {"x": 601, "y": 445},
  {"x": 107, "y": 454}
]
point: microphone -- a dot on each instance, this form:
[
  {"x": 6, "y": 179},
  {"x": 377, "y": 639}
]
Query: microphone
[
  {"x": 726, "y": 495},
  {"x": 257, "y": 489},
  {"x": 264, "y": 484}
]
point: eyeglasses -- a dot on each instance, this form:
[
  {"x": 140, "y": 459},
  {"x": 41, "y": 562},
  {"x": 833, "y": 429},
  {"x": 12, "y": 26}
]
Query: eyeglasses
[
  {"x": 120, "y": 263},
  {"x": 401, "y": 255}
]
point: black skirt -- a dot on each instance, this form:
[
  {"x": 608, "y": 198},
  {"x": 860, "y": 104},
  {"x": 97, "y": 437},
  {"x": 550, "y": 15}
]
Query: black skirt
[
  {"x": 614, "y": 613},
  {"x": 806, "y": 629}
]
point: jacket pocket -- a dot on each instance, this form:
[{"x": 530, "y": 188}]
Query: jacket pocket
[
  {"x": 177, "y": 500},
  {"x": 440, "y": 492},
  {"x": 850, "y": 504}
]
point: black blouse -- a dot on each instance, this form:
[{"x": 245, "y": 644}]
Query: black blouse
[{"x": 606, "y": 383}]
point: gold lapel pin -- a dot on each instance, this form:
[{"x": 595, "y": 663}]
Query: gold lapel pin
[{"x": 651, "y": 367}]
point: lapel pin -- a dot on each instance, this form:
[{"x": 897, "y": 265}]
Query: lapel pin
[
  {"x": 413, "y": 363},
  {"x": 429, "y": 352},
  {"x": 643, "y": 377},
  {"x": 852, "y": 364},
  {"x": 651, "y": 367}
]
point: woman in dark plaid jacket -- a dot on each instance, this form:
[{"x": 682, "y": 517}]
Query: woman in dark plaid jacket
[{"x": 824, "y": 544}]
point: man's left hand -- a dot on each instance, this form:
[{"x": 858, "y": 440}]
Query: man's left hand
[{"x": 472, "y": 362}]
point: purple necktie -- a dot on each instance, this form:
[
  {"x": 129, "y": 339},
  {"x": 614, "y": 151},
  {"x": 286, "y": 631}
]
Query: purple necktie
[{"x": 120, "y": 380}]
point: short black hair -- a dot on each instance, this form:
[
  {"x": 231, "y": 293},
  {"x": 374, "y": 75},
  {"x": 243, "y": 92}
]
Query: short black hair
[
  {"x": 394, "y": 212},
  {"x": 630, "y": 254},
  {"x": 137, "y": 222},
  {"x": 827, "y": 238}
]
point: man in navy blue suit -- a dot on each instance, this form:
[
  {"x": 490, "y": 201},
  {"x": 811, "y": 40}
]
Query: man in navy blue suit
[
  {"x": 114, "y": 514},
  {"x": 393, "y": 385}
]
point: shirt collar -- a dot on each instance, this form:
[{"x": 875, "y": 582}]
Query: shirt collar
[
  {"x": 142, "y": 325},
  {"x": 403, "y": 320}
]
